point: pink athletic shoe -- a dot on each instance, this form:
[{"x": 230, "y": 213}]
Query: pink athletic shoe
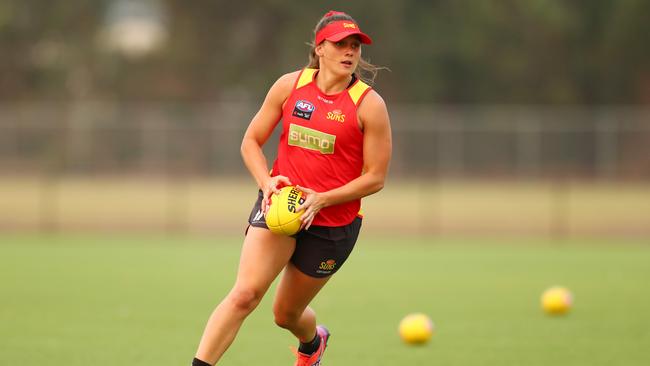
[{"x": 315, "y": 358}]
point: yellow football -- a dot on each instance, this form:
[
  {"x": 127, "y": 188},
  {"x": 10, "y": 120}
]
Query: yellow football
[
  {"x": 556, "y": 300},
  {"x": 283, "y": 216},
  {"x": 416, "y": 328}
]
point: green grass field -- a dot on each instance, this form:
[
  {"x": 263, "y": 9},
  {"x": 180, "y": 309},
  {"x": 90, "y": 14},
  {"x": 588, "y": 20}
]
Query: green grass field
[{"x": 142, "y": 300}]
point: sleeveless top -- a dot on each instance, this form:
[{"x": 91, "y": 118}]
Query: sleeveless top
[{"x": 321, "y": 145}]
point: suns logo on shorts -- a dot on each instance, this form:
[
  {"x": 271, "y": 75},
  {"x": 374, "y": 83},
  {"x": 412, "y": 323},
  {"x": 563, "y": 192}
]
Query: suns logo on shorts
[{"x": 327, "y": 266}]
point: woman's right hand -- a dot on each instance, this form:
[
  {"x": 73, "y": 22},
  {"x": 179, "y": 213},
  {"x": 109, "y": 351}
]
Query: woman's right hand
[{"x": 272, "y": 186}]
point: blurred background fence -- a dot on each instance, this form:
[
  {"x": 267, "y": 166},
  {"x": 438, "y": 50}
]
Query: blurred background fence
[
  {"x": 471, "y": 169},
  {"x": 203, "y": 140}
]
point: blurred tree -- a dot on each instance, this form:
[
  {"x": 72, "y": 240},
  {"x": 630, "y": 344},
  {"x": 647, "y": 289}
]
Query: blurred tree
[{"x": 440, "y": 51}]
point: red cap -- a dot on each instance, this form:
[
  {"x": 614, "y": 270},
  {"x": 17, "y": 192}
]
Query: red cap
[{"x": 337, "y": 30}]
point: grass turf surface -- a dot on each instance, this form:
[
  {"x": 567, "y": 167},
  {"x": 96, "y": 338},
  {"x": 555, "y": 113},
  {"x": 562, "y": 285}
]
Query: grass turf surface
[{"x": 112, "y": 300}]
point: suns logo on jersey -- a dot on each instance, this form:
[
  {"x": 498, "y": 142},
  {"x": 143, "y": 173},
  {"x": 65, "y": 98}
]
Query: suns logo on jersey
[{"x": 336, "y": 115}]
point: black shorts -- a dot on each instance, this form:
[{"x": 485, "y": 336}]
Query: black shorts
[{"x": 321, "y": 250}]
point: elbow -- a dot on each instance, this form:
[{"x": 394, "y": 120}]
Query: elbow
[
  {"x": 374, "y": 182},
  {"x": 378, "y": 186},
  {"x": 243, "y": 147}
]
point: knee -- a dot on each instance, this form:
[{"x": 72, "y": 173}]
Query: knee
[
  {"x": 244, "y": 300},
  {"x": 285, "y": 319}
]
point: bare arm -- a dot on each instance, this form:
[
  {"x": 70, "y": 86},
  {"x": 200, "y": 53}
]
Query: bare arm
[
  {"x": 377, "y": 148},
  {"x": 258, "y": 133}
]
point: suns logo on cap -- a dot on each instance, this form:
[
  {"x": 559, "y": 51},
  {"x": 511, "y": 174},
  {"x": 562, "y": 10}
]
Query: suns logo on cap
[{"x": 349, "y": 25}]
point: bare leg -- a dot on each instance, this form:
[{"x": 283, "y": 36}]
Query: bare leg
[
  {"x": 263, "y": 256},
  {"x": 290, "y": 308}
]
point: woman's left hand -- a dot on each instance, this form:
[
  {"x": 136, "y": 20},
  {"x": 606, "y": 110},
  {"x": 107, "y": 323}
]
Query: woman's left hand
[{"x": 313, "y": 203}]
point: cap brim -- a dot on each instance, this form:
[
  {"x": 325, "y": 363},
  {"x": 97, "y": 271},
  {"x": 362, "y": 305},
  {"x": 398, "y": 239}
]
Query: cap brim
[{"x": 365, "y": 39}]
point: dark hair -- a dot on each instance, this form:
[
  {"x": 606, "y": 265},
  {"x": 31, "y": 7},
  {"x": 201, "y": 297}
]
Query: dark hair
[{"x": 365, "y": 70}]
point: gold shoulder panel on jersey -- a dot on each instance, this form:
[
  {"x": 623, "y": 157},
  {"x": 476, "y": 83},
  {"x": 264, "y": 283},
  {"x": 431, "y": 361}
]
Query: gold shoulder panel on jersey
[
  {"x": 306, "y": 76},
  {"x": 357, "y": 91}
]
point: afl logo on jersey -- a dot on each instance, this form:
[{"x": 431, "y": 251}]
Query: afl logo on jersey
[{"x": 303, "y": 109}]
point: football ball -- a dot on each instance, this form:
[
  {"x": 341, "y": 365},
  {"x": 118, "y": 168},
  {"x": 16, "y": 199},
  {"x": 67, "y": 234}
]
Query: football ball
[
  {"x": 557, "y": 300},
  {"x": 416, "y": 328},
  {"x": 283, "y": 217}
]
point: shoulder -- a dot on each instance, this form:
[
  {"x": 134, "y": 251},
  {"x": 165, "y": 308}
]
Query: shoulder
[
  {"x": 373, "y": 113},
  {"x": 289, "y": 79},
  {"x": 372, "y": 103},
  {"x": 286, "y": 81}
]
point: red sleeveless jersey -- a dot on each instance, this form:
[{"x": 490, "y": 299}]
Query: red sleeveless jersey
[{"x": 321, "y": 146}]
